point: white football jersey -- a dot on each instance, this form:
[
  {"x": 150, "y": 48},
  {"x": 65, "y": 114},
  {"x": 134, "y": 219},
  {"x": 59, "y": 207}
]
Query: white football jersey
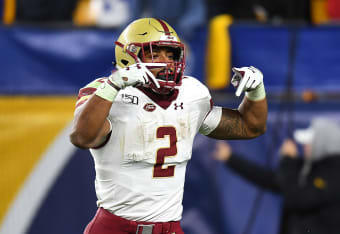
[{"x": 140, "y": 171}]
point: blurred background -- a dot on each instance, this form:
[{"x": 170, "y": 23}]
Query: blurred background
[{"x": 49, "y": 49}]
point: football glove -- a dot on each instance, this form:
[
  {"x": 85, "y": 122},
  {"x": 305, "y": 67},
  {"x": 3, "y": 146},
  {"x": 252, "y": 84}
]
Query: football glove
[
  {"x": 134, "y": 75},
  {"x": 246, "y": 79}
]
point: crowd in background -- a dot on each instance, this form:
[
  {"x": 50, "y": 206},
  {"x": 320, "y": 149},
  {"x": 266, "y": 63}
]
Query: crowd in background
[
  {"x": 307, "y": 182},
  {"x": 184, "y": 15}
]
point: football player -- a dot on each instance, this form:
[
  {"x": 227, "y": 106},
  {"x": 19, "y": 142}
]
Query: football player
[{"x": 140, "y": 122}]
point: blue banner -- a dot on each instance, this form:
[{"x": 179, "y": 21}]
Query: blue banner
[{"x": 37, "y": 60}]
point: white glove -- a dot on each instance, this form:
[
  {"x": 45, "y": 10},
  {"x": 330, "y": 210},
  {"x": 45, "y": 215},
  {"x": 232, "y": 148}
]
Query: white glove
[
  {"x": 134, "y": 75},
  {"x": 246, "y": 79}
]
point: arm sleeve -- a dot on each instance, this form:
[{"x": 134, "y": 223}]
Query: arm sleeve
[{"x": 256, "y": 174}]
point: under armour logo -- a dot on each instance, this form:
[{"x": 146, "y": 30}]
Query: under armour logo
[{"x": 178, "y": 106}]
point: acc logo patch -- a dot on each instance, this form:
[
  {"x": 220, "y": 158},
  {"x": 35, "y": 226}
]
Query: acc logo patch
[
  {"x": 129, "y": 99},
  {"x": 149, "y": 107}
]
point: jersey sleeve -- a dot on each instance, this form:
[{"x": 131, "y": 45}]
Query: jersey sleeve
[
  {"x": 211, "y": 120},
  {"x": 211, "y": 115},
  {"x": 86, "y": 92}
]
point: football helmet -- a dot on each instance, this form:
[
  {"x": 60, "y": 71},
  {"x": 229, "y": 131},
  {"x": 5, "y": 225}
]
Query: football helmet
[{"x": 143, "y": 35}]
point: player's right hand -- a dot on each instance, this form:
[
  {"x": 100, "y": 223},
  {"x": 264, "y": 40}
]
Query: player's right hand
[{"x": 134, "y": 75}]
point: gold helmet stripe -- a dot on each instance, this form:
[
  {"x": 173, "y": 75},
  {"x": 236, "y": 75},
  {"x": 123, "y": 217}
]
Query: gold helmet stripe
[{"x": 165, "y": 27}]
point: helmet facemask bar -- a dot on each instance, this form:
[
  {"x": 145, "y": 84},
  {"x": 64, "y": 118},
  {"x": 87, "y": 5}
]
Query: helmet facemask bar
[{"x": 171, "y": 75}]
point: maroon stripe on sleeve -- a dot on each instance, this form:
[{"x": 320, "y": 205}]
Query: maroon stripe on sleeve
[
  {"x": 211, "y": 107},
  {"x": 211, "y": 104},
  {"x": 86, "y": 91},
  {"x": 165, "y": 27}
]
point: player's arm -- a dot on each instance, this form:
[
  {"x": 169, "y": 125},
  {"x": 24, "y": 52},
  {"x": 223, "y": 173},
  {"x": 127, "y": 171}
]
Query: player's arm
[
  {"x": 249, "y": 120},
  {"x": 91, "y": 126}
]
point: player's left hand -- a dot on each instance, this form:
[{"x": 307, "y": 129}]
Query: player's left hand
[{"x": 246, "y": 79}]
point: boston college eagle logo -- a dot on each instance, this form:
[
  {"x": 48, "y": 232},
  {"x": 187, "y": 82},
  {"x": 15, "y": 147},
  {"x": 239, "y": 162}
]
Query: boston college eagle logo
[{"x": 149, "y": 107}]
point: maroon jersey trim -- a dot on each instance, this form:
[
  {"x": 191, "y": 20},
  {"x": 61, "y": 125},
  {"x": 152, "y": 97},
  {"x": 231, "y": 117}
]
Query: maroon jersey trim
[{"x": 211, "y": 107}]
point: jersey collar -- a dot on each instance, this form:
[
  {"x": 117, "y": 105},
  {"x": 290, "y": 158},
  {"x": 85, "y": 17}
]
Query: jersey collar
[{"x": 163, "y": 101}]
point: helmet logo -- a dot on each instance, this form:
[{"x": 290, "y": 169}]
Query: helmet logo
[
  {"x": 132, "y": 48},
  {"x": 125, "y": 79},
  {"x": 149, "y": 107}
]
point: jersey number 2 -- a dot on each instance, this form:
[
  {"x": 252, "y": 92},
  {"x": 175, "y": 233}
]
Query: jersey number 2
[{"x": 158, "y": 170}]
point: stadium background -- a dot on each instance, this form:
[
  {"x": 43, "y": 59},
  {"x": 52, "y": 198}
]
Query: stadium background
[{"x": 47, "y": 184}]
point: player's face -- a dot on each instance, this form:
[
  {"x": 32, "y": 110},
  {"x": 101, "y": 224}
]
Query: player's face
[{"x": 159, "y": 55}]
